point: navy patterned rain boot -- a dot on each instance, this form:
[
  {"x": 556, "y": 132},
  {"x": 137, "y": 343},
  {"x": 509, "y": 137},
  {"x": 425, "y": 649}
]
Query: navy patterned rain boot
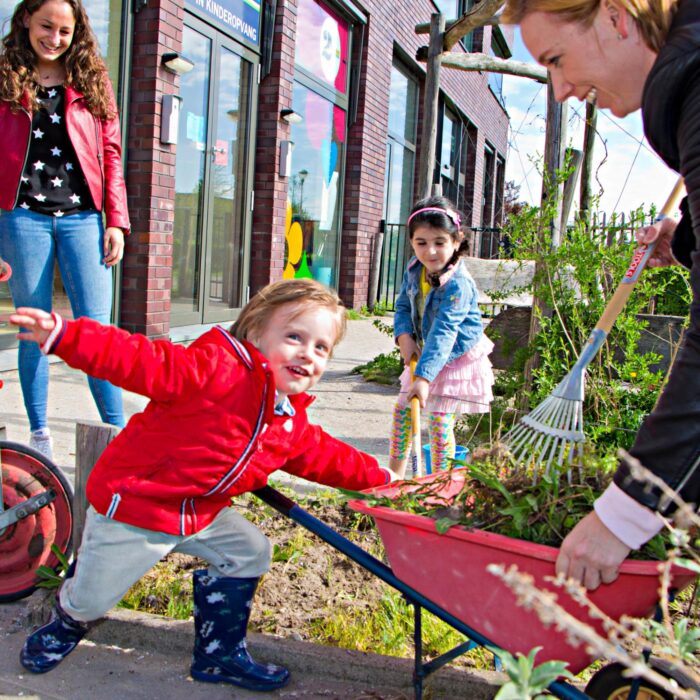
[
  {"x": 221, "y": 612},
  {"x": 49, "y": 645}
]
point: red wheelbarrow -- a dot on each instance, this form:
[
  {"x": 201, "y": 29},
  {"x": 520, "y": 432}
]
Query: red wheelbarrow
[{"x": 446, "y": 575}]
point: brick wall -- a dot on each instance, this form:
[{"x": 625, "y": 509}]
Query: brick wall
[
  {"x": 267, "y": 249},
  {"x": 393, "y": 24},
  {"x": 147, "y": 266},
  {"x": 150, "y": 178}
]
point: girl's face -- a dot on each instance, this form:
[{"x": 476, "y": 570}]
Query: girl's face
[
  {"x": 297, "y": 340},
  {"x": 608, "y": 61},
  {"x": 50, "y": 30},
  {"x": 434, "y": 247}
]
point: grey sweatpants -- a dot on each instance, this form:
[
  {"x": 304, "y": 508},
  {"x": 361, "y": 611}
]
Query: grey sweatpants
[{"x": 113, "y": 556}]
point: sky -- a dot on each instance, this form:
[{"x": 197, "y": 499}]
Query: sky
[{"x": 629, "y": 173}]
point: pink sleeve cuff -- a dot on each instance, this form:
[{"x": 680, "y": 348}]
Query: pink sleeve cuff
[{"x": 626, "y": 518}]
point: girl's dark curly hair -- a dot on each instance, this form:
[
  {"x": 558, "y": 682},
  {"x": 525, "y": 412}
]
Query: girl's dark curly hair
[{"x": 85, "y": 69}]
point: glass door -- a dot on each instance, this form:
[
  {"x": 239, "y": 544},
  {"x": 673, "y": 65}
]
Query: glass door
[{"x": 212, "y": 176}]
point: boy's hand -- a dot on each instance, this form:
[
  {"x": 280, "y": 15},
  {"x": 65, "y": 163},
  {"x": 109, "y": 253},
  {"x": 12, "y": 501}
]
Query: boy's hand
[{"x": 38, "y": 324}]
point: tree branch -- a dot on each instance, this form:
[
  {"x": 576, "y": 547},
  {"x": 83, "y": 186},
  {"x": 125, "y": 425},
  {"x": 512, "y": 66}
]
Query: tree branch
[{"x": 480, "y": 61}]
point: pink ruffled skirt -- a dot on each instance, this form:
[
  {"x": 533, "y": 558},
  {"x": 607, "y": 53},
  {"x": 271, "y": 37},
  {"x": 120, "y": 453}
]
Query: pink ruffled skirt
[{"x": 463, "y": 386}]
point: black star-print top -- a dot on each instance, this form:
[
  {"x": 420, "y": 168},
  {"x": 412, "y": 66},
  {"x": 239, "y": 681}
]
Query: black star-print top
[{"x": 52, "y": 182}]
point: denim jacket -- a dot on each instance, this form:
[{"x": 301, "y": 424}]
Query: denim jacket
[{"x": 451, "y": 318}]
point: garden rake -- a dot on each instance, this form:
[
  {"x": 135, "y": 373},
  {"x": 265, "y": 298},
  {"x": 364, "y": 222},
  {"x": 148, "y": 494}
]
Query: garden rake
[{"x": 554, "y": 429}]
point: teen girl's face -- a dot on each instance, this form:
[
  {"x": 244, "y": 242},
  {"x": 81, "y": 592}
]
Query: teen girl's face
[
  {"x": 297, "y": 340},
  {"x": 434, "y": 247},
  {"x": 50, "y": 30}
]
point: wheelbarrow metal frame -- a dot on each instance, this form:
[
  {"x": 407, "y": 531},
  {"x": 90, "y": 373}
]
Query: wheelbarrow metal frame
[{"x": 289, "y": 508}]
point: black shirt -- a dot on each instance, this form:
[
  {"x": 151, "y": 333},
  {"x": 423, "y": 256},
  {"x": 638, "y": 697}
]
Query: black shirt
[{"x": 52, "y": 182}]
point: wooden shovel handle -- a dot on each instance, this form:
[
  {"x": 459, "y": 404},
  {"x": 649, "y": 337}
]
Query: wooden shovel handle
[
  {"x": 415, "y": 423},
  {"x": 639, "y": 261}
]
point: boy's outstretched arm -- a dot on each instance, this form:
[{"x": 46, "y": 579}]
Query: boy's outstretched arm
[{"x": 38, "y": 324}]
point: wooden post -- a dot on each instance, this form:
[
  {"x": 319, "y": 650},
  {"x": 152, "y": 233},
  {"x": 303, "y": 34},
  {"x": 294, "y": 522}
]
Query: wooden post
[
  {"x": 426, "y": 165},
  {"x": 554, "y": 148},
  {"x": 570, "y": 186},
  {"x": 587, "y": 164},
  {"x": 91, "y": 438},
  {"x": 555, "y": 139}
]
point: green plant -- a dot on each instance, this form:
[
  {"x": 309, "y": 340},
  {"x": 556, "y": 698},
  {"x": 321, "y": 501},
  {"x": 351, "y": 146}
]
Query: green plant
[
  {"x": 51, "y": 578},
  {"x": 528, "y": 681},
  {"x": 574, "y": 281}
]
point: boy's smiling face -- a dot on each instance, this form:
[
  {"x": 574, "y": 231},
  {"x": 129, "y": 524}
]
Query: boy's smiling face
[{"x": 297, "y": 340}]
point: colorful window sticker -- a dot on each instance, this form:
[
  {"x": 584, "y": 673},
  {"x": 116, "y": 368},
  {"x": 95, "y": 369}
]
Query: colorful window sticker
[{"x": 322, "y": 43}]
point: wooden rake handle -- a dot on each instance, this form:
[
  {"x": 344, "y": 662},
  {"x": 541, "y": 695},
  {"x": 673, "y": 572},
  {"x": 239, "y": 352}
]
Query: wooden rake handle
[
  {"x": 416, "y": 461},
  {"x": 639, "y": 262}
]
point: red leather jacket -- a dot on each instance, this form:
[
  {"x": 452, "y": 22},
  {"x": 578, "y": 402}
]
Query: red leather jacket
[
  {"x": 209, "y": 432},
  {"x": 97, "y": 143}
]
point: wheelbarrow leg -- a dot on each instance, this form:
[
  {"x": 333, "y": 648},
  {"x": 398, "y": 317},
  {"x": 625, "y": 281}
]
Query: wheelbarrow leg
[{"x": 418, "y": 670}]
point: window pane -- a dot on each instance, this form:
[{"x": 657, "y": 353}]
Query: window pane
[
  {"x": 314, "y": 186},
  {"x": 189, "y": 175},
  {"x": 447, "y": 147},
  {"x": 322, "y": 43},
  {"x": 402, "y": 106},
  {"x": 449, "y": 8}
]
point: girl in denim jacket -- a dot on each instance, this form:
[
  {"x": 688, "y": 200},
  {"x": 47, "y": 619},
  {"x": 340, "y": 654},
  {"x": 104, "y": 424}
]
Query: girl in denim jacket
[{"x": 438, "y": 320}]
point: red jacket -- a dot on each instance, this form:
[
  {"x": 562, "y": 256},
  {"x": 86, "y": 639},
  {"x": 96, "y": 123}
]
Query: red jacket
[
  {"x": 209, "y": 432},
  {"x": 97, "y": 144}
]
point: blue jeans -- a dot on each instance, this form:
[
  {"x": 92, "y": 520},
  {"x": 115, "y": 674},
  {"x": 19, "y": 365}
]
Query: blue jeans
[{"x": 31, "y": 242}]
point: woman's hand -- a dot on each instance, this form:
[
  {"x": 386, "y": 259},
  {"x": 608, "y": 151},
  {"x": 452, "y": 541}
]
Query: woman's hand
[
  {"x": 591, "y": 554},
  {"x": 38, "y": 324},
  {"x": 419, "y": 389},
  {"x": 662, "y": 232},
  {"x": 407, "y": 347},
  {"x": 113, "y": 246}
]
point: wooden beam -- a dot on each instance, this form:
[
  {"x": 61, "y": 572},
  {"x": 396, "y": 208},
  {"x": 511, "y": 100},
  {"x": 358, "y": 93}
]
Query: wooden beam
[
  {"x": 424, "y": 27},
  {"x": 426, "y": 165},
  {"x": 481, "y": 14},
  {"x": 493, "y": 64}
]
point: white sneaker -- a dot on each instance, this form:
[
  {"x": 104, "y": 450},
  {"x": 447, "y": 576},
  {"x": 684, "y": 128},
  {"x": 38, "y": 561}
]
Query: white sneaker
[{"x": 40, "y": 440}]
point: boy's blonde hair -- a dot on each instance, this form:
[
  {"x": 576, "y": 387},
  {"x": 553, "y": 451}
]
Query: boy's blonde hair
[{"x": 303, "y": 293}]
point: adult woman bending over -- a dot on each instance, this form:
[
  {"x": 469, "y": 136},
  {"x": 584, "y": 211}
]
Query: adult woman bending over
[
  {"x": 629, "y": 54},
  {"x": 61, "y": 148}
]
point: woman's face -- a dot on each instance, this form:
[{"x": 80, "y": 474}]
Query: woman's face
[
  {"x": 607, "y": 61},
  {"x": 50, "y": 30}
]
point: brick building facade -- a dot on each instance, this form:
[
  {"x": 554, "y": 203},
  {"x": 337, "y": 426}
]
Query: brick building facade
[{"x": 296, "y": 143}]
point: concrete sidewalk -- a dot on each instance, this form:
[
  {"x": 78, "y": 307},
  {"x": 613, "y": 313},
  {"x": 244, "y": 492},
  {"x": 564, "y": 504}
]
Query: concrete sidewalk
[{"x": 137, "y": 656}]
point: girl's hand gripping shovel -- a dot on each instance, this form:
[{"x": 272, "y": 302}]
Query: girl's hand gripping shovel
[{"x": 416, "y": 465}]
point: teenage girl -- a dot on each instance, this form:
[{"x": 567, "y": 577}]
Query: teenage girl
[
  {"x": 438, "y": 320},
  {"x": 61, "y": 148}
]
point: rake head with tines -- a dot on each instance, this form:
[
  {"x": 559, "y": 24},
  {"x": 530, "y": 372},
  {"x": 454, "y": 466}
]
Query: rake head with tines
[{"x": 552, "y": 434}]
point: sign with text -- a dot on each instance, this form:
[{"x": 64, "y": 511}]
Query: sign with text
[{"x": 238, "y": 18}]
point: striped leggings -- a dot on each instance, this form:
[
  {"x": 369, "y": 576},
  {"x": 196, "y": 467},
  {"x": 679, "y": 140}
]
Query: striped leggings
[{"x": 440, "y": 430}]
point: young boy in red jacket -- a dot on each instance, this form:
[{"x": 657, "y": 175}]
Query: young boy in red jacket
[{"x": 225, "y": 413}]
